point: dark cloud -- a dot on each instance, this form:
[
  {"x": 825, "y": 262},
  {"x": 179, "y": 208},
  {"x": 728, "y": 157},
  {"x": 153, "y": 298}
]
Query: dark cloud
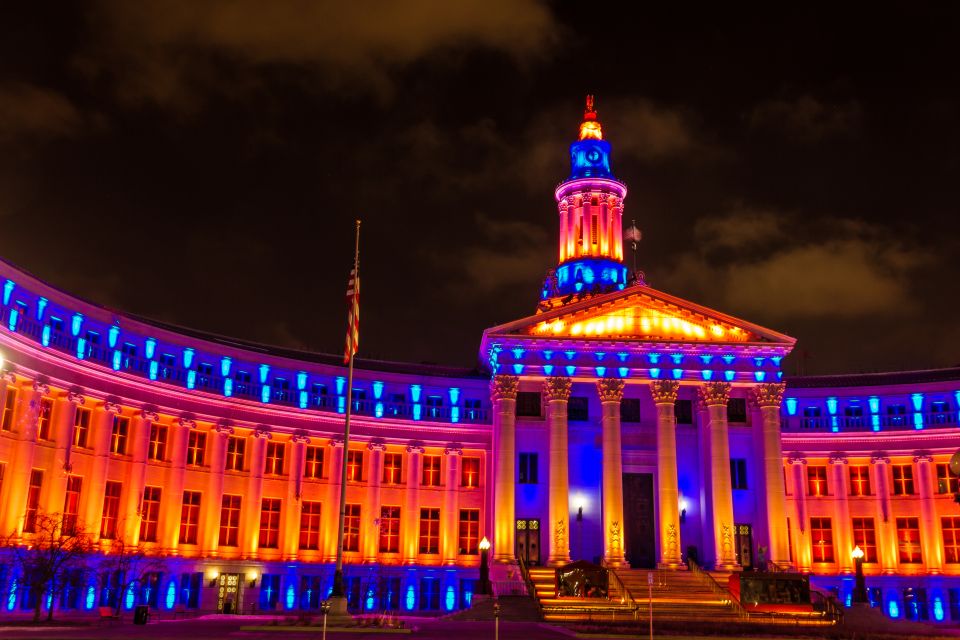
[
  {"x": 36, "y": 113},
  {"x": 807, "y": 119}
]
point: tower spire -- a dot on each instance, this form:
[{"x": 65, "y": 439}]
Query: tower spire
[{"x": 590, "y": 127}]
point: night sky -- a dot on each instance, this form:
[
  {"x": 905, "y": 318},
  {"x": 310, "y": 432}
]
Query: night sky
[{"x": 202, "y": 163}]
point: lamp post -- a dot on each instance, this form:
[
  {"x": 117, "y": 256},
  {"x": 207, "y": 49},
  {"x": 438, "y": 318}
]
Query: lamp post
[
  {"x": 496, "y": 620},
  {"x": 860, "y": 587},
  {"x": 483, "y": 588},
  {"x": 325, "y": 609}
]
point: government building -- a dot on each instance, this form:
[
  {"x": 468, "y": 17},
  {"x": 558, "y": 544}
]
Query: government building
[{"x": 616, "y": 424}]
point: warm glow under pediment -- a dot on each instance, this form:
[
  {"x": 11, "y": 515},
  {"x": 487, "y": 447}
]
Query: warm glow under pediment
[{"x": 644, "y": 319}]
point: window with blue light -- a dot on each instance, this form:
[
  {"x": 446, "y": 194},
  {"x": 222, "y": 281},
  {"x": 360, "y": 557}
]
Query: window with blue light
[
  {"x": 269, "y": 591},
  {"x": 429, "y": 593}
]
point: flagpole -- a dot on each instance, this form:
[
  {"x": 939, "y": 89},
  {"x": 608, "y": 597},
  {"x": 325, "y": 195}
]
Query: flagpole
[{"x": 338, "y": 590}]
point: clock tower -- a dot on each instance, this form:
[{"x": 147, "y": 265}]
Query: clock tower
[{"x": 590, "y": 207}]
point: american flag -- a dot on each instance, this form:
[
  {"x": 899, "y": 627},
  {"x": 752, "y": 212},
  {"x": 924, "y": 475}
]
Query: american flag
[{"x": 353, "y": 316}]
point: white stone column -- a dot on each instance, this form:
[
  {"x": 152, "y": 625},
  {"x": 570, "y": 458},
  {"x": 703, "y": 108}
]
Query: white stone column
[
  {"x": 213, "y": 498},
  {"x": 371, "y": 541},
  {"x": 450, "y": 532},
  {"x": 804, "y": 554},
  {"x": 886, "y": 524},
  {"x": 411, "y": 515},
  {"x": 930, "y": 534},
  {"x": 556, "y": 391},
  {"x": 102, "y": 421},
  {"x": 665, "y": 397},
  {"x": 842, "y": 525},
  {"x": 503, "y": 396},
  {"x": 171, "y": 495},
  {"x": 714, "y": 396},
  {"x": 611, "y": 394},
  {"x": 136, "y": 481},
  {"x": 293, "y": 505},
  {"x": 331, "y": 511},
  {"x": 252, "y": 503},
  {"x": 18, "y": 473},
  {"x": 768, "y": 398}
]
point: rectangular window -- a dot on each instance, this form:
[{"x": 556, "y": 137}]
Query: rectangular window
[
  {"x": 9, "y": 404},
  {"x": 355, "y": 466},
  {"x": 71, "y": 504},
  {"x": 527, "y": 474},
  {"x": 738, "y": 473},
  {"x": 196, "y": 447},
  {"x": 81, "y": 427},
  {"x": 908, "y": 540},
  {"x": 189, "y": 517},
  {"x": 472, "y": 409},
  {"x": 737, "y": 410},
  {"x": 434, "y": 407},
  {"x": 314, "y": 463},
  {"x": 469, "y": 536},
  {"x": 389, "y": 529},
  {"x": 33, "y": 500},
  {"x": 940, "y": 413},
  {"x": 158, "y": 442},
  {"x": 951, "y": 539},
  {"x": 274, "y": 463},
  {"x": 683, "y": 411},
  {"x": 351, "y": 527},
  {"x": 392, "y": 468},
  {"x": 578, "y": 409},
  {"x": 903, "y": 479},
  {"x": 821, "y": 538},
  {"x": 816, "y": 480},
  {"x": 431, "y": 471},
  {"x": 429, "y": 593},
  {"x": 529, "y": 405},
  {"x": 310, "y": 526},
  {"x": 190, "y": 585},
  {"x": 946, "y": 481},
  {"x": 236, "y": 450},
  {"x": 859, "y": 480},
  {"x": 269, "y": 591},
  {"x": 470, "y": 472},
  {"x": 270, "y": 523},
  {"x": 429, "y": 530},
  {"x": 853, "y": 416},
  {"x": 630, "y": 410},
  {"x": 43, "y": 418},
  {"x": 896, "y": 415},
  {"x": 229, "y": 520},
  {"x": 111, "y": 510},
  {"x": 118, "y": 435},
  {"x": 151, "y": 514},
  {"x": 811, "y": 418},
  {"x": 865, "y": 537}
]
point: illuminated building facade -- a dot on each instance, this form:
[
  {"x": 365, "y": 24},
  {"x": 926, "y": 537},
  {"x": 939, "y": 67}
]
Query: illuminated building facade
[{"x": 617, "y": 423}]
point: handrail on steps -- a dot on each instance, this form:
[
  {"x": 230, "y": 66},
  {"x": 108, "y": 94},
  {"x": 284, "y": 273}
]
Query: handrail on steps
[
  {"x": 626, "y": 596},
  {"x": 528, "y": 582},
  {"x": 718, "y": 589}
]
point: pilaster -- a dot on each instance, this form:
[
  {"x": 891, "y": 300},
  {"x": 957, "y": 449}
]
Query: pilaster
[
  {"x": 19, "y": 471},
  {"x": 411, "y": 515},
  {"x": 172, "y": 494},
  {"x": 714, "y": 396},
  {"x": 137, "y": 478},
  {"x": 768, "y": 397},
  {"x": 556, "y": 391},
  {"x": 97, "y": 481},
  {"x": 886, "y": 524},
  {"x": 503, "y": 396},
  {"x": 611, "y": 394},
  {"x": 371, "y": 542},
  {"x": 331, "y": 510},
  {"x": 250, "y": 531},
  {"x": 804, "y": 553},
  {"x": 449, "y": 534},
  {"x": 842, "y": 525},
  {"x": 930, "y": 534},
  {"x": 293, "y": 505},
  {"x": 213, "y": 498},
  {"x": 664, "y": 394}
]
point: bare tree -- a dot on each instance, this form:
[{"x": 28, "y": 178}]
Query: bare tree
[
  {"x": 57, "y": 549},
  {"x": 131, "y": 567}
]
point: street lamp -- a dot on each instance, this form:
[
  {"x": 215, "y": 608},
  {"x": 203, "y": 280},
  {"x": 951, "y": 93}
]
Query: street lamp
[
  {"x": 860, "y": 587},
  {"x": 496, "y": 620},
  {"x": 484, "y": 587},
  {"x": 325, "y": 609}
]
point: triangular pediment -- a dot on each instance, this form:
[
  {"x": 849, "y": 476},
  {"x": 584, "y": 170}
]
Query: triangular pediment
[{"x": 641, "y": 314}]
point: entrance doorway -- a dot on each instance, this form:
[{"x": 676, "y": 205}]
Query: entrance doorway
[
  {"x": 640, "y": 545},
  {"x": 528, "y": 541},
  {"x": 229, "y": 593},
  {"x": 744, "y": 545}
]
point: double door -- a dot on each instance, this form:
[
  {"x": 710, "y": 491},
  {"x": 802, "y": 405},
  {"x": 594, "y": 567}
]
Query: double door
[{"x": 528, "y": 541}]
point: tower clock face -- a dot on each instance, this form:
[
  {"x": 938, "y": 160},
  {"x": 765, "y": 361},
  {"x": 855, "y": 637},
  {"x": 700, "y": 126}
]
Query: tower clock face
[{"x": 593, "y": 156}]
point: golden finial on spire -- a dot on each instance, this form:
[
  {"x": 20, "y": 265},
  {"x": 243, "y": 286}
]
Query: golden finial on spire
[
  {"x": 589, "y": 103},
  {"x": 590, "y": 127}
]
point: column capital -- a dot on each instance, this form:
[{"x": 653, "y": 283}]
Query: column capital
[
  {"x": 838, "y": 458},
  {"x": 664, "y": 391},
  {"x": 112, "y": 407},
  {"x": 922, "y": 456},
  {"x": 300, "y": 437},
  {"x": 415, "y": 447},
  {"x": 187, "y": 423},
  {"x": 8, "y": 376},
  {"x": 879, "y": 457},
  {"x": 796, "y": 458},
  {"x": 453, "y": 449},
  {"x": 504, "y": 387},
  {"x": 336, "y": 441},
  {"x": 557, "y": 388},
  {"x": 149, "y": 414},
  {"x": 41, "y": 387},
  {"x": 262, "y": 431},
  {"x": 768, "y": 395},
  {"x": 376, "y": 445},
  {"x": 610, "y": 389},
  {"x": 75, "y": 398},
  {"x": 223, "y": 429},
  {"x": 714, "y": 393}
]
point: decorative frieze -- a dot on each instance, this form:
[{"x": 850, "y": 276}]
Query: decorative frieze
[
  {"x": 769, "y": 395},
  {"x": 664, "y": 391},
  {"x": 557, "y": 388},
  {"x": 610, "y": 389},
  {"x": 504, "y": 387},
  {"x": 715, "y": 394}
]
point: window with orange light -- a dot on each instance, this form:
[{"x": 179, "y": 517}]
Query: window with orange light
[
  {"x": 951, "y": 539},
  {"x": 274, "y": 460},
  {"x": 229, "y": 520},
  {"x": 157, "y": 449},
  {"x": 354, "y": 466},
  {"x": 431, "y": 471},
  {"x": 71, "y": 504},
  {"x": 310, "y": 526},
  {"x": 270, "y": 523},
  {"x": 119, "y": 434},
  {"x": 189, "y": 517},
  {"x": 859, "y": 480},
  {"x": 816, "y": 480},
  {"x": 9, "y": 404},
  {"x": 111, "y": 510},
  {"x": 43, "y": 418},
  {"x": 429, "y": 530},
  {"x": 865, "y": 537},
  {"x": 236, "y": 453},
  {"x": 946, "y": 481},
  {"x": 821, "y": 538},
  {"x": 81, "y": 427},
  {"x": 903, "y": 479},
  {"x": 151, "y": 514},
  {"x": 392, "y": 468},
  {"x": 33, "y": 500},
  {"x": 313, "y": 468},
  {"x": 469, "y": 537},
  {"x": 196, "y": 447},
  {"x": 351, "y": 527},
  {"x": 470, "y": 473},
  {"x": 389, "y": 529},
  {"x": 908, "y": 540}
]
